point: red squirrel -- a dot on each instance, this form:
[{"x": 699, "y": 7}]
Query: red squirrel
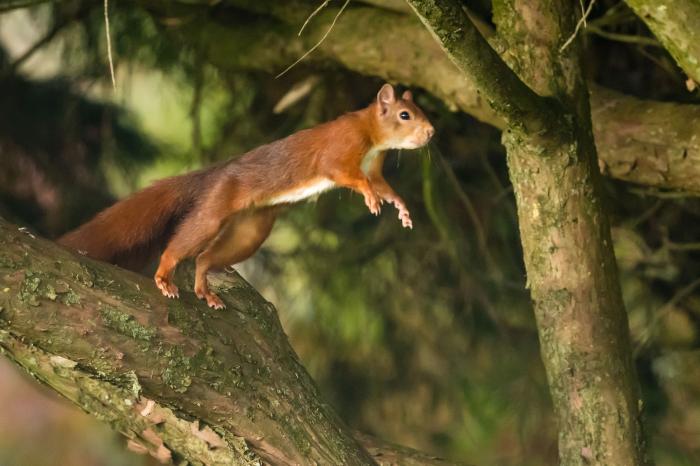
[{"x": 222, "y": 214}]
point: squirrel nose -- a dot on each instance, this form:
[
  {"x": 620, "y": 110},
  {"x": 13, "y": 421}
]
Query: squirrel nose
[{"x": 430, "y": 131}]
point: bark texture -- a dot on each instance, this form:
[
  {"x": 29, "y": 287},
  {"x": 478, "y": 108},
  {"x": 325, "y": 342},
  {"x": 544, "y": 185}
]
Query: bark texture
[
  {"x": 675, "y": 24},
  {"x": 645, "y": 142},
  {"x": 566, "y": 240},
  {"x": 180, "y": 381}
]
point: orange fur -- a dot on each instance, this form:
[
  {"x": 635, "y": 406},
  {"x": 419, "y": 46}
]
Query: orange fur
[{"x": 223, "y": 214}]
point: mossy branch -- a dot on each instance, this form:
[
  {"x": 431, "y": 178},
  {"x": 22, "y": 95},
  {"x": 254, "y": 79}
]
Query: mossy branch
[
  {"x": 675, "y": 24},
  {"x": 636, "y": 138},
  {"x": 457, "y": 35},
  {"x": 179, "y": 380}
]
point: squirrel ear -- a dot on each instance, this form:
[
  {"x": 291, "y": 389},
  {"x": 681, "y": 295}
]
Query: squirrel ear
[
  {"x": 407, "y": 95},
  {"x": 385, "y": 97}
]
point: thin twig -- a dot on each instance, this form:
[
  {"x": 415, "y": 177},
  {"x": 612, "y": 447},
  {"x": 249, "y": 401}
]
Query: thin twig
[
  {"x": 583, "y": 13},
  {"x": 315, "y": 12},
  {"x": 581, "y": 22},
  {"x": 689, "y": 247},
  {"x": 318, "y": 43},
  {"x": 626, "y": 38},
  {"x": 109, "y": 46},
  {"x": 614, "y": 16}
]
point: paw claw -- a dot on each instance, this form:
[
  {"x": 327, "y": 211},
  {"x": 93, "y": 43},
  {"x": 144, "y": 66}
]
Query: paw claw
[
  {"x": 168, "y": 289},
  {"x": 213, "y": 301},
  {"x": 373, "y": 203},
  {"x": 404, "y": 215}
]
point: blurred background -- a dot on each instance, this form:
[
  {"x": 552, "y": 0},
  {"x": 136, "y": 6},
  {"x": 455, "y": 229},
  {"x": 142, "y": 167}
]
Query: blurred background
[{"x": 424, "y": 337}]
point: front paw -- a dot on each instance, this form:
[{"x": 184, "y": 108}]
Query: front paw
[
  {"x": 373, "y": 202},
  {"x": 404, "y": 214},
  {"x": 406, "y": 219}
]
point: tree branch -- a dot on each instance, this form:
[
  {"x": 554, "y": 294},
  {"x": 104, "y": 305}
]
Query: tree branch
[
  {"x": 675, "y": 24},
  {"x": 634, "y": 143},
  {"x": 645, "y": 142},
  {"x": 400, "y": 50},
  {"x": 510, "y": 98},
  {"x": 179, "y": 380}
]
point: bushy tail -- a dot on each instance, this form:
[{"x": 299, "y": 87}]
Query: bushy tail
[{"x": 131, "y": 231}]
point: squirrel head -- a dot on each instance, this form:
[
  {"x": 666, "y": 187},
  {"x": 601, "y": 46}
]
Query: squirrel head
[{"x": 400, "y": 124}]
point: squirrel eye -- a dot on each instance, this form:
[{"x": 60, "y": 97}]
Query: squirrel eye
[{"x": 404, "y": 115}]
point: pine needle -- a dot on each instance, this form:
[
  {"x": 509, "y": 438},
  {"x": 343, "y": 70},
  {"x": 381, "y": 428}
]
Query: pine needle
[
  {"x": 319, "y": 42},
  {"x": 581, "y": 22},
  {"x": 315, "y": 12},
  {"x": 109, "y": 46}
]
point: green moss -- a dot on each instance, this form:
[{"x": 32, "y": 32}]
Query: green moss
[
  {"x": 28, "y": 291},
  {"x": 299, "y": 436},
  {"x": 85, "y": 275},
  {"x": 177, "y": 374},
  {"x": 185, "y": 319},
  {"x": 126, "y": 324},
  {"x": 42, "y": 285},
  {"x": 6, "y": 262}
]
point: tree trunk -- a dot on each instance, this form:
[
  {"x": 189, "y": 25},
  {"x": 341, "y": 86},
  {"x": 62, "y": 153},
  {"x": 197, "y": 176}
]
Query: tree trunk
[
  {"x": 565, "y": 234},
  {"x": 179, "y": 380}
]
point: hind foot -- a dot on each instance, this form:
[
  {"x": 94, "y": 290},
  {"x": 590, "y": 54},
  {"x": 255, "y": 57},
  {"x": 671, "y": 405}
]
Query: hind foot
[
  {"x": 166, "y": 287},
  {"x": 213, "y": 301}
]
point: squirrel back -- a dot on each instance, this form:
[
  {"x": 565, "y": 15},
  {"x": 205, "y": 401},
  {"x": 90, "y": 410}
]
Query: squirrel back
[{"x": 132, "y": 231}]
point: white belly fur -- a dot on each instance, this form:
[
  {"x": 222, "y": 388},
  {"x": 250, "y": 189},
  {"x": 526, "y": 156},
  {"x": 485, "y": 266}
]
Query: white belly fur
[
  {"x": 369, "y": 158},
  {"x": 299, "y": 194}
]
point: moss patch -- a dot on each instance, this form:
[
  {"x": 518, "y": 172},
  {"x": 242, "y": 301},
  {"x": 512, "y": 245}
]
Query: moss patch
[{"x": 126, "y": 324}]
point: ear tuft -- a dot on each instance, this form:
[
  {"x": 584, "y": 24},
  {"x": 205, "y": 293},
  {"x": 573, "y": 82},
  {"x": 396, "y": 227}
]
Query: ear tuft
[
  {"x": 385, "y": 97},
  {"x": 407, "y": 95}
]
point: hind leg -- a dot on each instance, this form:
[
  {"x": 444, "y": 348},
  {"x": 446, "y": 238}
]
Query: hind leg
[
  {"x": 191, "y": 237},
  {"x": 242, "y": 236}
]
